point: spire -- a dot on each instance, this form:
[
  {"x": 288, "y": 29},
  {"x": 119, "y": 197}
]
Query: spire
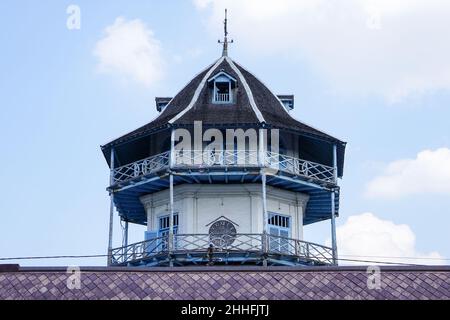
[{"x": 225, "y": 41}]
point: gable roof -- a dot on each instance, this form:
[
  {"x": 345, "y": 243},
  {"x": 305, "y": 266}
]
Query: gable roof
[{"x": 222, "y": 73}]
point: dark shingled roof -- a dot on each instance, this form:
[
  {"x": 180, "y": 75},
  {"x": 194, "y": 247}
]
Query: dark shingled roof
[
  {"x": 178, "y": 103},
  {"x": 227, "y": 283},
  {"x": 274, "y": 113},
  {"x": 238, "y": 113}
]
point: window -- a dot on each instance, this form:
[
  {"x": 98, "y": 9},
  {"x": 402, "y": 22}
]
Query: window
[
  {"x": 222, "y": 86},
  {"x": 279, "y": 230},
  {"x": 164, "y": 228},
  {"x": 287, "y": 101},
  {"x": 162, "y": 102}
]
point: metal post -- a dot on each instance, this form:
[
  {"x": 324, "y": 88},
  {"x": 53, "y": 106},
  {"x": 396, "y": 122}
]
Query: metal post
[
  {"x": 261, "y": 149},
  {"x": 264, "y": 205},
  {"x": 125, "y": 237},
  {"x": 262, "y": 163},
  {"x": 172, "y": 148},
  {"x": 111, "y": 209},
  {"x": 333, "y": 209},
  {"x": 264, "y": 200},
  {"x": 172, "y": 163},
  {"x": 170, "y": 243}
]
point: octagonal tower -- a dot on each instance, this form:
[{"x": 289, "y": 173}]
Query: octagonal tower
[{"x": 224, "y": 175}]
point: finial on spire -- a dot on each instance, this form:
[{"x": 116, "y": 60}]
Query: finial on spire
[{"x": 225, "y": 41}]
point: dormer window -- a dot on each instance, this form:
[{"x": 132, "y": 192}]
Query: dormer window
[
  {"x": 222, "y": 87},
  {"x": 287, "y": 101},
  {"x": 161, "y": 103}
]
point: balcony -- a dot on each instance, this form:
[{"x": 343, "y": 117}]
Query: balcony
[
  {"x": 227, "y": 249},
  {"x": 192, "y": 159},
  {"x": 222, "y": 98}
]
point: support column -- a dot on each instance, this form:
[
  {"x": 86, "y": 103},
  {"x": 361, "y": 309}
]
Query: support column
[
  {"x": 262, "y": 148},
  {"x": 171, "y": 242},
  {"x": 264, "y": 206},
  {"x": 264, "y": 200},
  {"x": 111, "y": 208},
  {"x": 125, "y": 237},
  {"x": 333, "y": 209},
  {"x": 172, "y": 149},
  {"x": 262, "y": 164}
]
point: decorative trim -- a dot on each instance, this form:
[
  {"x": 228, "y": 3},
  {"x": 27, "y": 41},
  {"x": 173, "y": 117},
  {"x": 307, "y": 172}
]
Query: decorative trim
[
  {"x": 223, "y": 218},
  {"x": 247, "y": 90},
  {"x": 220, "y": 74},
  {"x": 197, "y": 91}
]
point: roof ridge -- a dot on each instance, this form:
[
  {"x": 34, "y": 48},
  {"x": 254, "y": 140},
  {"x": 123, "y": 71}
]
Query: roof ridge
[
  {"x": 198, "y": 90},
  {"x": 247, "y": 90}
]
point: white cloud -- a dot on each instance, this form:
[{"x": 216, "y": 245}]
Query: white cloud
[
  {"x": 130, "y": 50},
  {"x": 428, "y": 173},
  {"x": 202, "y": 4},
  {"x": 367, "y": 237},
  {"x": 393, "y": 48}
]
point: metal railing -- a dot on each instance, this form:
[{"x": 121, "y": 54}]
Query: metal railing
[
  {"x": 142, "y": 167},
  {"x": 215, "y": 158},
  {"x": 307, "y": 169},
  {"x": 139, "y": 251},
  {"x": 263, "y": 245},
  {"x": 195, "y": 159}
]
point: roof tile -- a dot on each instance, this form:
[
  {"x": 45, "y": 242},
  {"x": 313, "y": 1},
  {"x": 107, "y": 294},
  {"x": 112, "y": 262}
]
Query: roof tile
[{"x": 227, "y": 284}]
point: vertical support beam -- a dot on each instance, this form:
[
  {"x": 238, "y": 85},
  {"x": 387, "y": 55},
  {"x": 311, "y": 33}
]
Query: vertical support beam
[
  {"x": 172, "y": 164},
  {"x": 172, "y": 149},
  {"x": 264, "y": 206},
  {"x": 264, "y": 200},
  {"x": 262, "y": 148},
  {"x": 111, "y": 208},
  {"x": 125, "y": 236},
  {"x": 335, "y": 173},
  {"x": 125, "y": 240},
  {"x": 171, "y": 242},
  {"x": 333, "y": 228},
  {"x": 262, "y": 163},
  {"x": 333, "y": 209}
]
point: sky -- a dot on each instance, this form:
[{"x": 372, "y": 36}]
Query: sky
[{"x": 76, "y": 74}]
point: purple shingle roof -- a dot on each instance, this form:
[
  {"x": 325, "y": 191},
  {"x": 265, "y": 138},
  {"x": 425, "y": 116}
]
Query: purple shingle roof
[{"x": 227, "y": 283}]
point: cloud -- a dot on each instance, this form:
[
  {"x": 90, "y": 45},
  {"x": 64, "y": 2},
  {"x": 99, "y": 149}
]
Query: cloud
[
  {"x": 130, "y": 50},
  {"x": 367, "y": 237},
  {"x": 428, "y": 173},
  {"x": 392, "y": 48}
]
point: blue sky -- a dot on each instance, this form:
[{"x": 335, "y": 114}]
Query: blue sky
[{"x": 378, "y": 78}]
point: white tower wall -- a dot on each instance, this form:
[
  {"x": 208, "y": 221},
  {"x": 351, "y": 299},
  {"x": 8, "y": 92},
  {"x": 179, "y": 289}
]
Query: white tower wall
[{"x": 199, "y": 205}]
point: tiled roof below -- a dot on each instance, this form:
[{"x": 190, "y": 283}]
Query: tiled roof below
[{"x": 228, "y": 283}]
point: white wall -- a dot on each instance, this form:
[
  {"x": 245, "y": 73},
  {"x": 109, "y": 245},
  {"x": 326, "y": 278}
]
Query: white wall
[{"x": 199, "y": 205}]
